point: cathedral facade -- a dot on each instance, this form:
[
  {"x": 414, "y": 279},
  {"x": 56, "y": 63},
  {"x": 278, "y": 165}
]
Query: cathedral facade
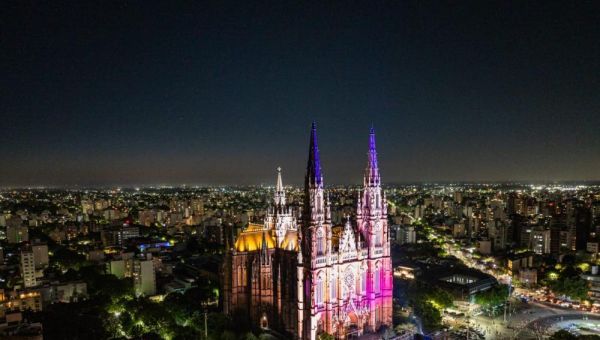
[{"x": 299, "y": 274}]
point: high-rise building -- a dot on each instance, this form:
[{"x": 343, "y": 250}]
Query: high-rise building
[
  {"x": 40, "y": 255},
  {"x": 498, "y": 232},
  {"x": 405, "y": 234},
  {"x": 144, "y": 276},
  {"x": 583, "y": 226},
  {"x": 313, "y": 277},
  {"x": 127, "y": 231},
  {"x": 197, "y": 205},
  {"x": 28, "y": 268},
  {"x": 540, "y": 241},
  {"x": 141, "y": 269},
  {"x": 87, "y": 206}
]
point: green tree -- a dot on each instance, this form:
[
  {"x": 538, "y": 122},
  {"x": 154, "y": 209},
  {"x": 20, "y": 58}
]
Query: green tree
[
  {"x": 572, "y": 287},
  {"x": 492, "y": 297},
  {"x": 441, "y": 297},
  {"x": 430, "y": 315}
]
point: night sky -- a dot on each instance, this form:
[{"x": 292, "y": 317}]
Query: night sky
[{"x": 133, "y": 93}]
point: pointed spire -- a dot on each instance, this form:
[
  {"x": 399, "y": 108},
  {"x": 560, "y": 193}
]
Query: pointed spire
[
  {"x": 372, "y": 149},
  {"x": 279, "y": 181},
  {"x": 313, "y": 169},
  {"x": 279, "y": 192},
  {"x": 372, "y": 171}
]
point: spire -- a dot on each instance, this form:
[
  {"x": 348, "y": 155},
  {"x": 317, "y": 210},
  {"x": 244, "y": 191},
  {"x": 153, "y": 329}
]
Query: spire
[
  {"x": 372, "y": 149},
  {"x": 279, "y": 192},
  {"x": 313, "y": 169},
  {"x": 314, "y": 209},
  {"x": 372, "y": 171},
  {"x": 279, "y": 181}
]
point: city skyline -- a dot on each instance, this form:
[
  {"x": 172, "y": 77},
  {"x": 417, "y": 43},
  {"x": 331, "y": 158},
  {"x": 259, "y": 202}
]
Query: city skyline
[{"x": 200, "y": 94}]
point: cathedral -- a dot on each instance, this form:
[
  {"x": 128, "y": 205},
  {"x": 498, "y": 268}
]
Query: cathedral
[{"x": 297, "y": 273}]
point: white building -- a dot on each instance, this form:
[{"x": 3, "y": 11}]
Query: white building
[
  {"x": 144, "y": 277},
  {"x": 142, "y": 271},
  {"x": 540, "y": 241},
  {"x": 28, "y": 268}
]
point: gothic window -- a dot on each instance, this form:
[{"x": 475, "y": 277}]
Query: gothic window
[
  {"x": 349, "y": 282},
  {"x": 333, "y": 290},
  {"x": 364, "y": 281},
  {"x": 377, "y": 281},
  {"x": 319, "y": 292},
  {"x": 320, "y": 242},
  {"x": 377, "y": 240},
  {"x": 239, "y": 276},
  {"x": 244, "y": 275}
]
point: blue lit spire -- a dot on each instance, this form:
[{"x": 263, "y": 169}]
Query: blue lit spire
[
  {"x": 372, "y": 149},
  {"x": 372, "y": 170},
  {"x": 314, "y": 177}
]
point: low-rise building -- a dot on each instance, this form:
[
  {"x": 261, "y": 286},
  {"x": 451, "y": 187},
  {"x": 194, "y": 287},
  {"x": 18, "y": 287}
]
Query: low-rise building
[
  {"x": 593, "y": 286},
  {"x": 20, "y": 300},
  {"x": 528, "y": 276},
  {"x": 520, "y": 260}
]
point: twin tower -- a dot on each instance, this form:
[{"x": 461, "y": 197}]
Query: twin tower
[{"x": 305, "y": 276}]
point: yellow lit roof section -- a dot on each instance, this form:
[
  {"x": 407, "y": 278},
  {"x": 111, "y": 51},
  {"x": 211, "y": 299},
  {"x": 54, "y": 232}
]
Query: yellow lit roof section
[
  {"x": 252, "y": 237},
  {"x": 290, "y": 242}
]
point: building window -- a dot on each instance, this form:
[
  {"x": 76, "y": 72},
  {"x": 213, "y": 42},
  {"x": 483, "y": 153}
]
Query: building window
[
  {"x": 319, "y": 292},
  {"x": 320, "y": 242},
  {"x": 376, "y": 281},
  {"x": 364, "y": 281},
  {"x": 377, "y": 240},
  {"x": 333, "y": 290}
]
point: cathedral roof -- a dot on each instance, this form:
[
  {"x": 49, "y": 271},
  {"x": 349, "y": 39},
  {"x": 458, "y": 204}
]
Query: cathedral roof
[
  {"x": 252, "y": 237},
  {"x": 290, "y": 242}
]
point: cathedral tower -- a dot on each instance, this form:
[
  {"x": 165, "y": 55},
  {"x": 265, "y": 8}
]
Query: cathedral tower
[{"x": 371, "y": 218}]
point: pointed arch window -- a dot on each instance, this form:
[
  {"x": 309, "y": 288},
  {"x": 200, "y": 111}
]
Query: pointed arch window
[
  {"x": 377, "y": 239},
  {"x": 364, "y": 281},
  {"x": 319, "y": 291},
  {"x": 320, "y": 242},
  {"x": 377, "y": 280},
  {"x": 333, "y": 290}
]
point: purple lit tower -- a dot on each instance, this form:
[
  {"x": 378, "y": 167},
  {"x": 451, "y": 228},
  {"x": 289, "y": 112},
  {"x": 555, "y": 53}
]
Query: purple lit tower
[
  {"x": 372, "y": 222},
  {"x": 345, "y": 273},
  {"x": 309, "y": 277}
]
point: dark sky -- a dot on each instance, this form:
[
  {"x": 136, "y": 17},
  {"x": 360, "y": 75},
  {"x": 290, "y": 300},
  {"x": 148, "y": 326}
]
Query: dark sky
[{"x": 130, "y": 92}]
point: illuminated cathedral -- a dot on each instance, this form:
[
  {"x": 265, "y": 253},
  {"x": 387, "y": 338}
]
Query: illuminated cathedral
[{"x": 302, "y": 275}]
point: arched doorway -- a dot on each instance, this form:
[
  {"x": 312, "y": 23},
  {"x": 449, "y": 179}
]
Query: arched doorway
[{"x": 264, "y": 321}]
